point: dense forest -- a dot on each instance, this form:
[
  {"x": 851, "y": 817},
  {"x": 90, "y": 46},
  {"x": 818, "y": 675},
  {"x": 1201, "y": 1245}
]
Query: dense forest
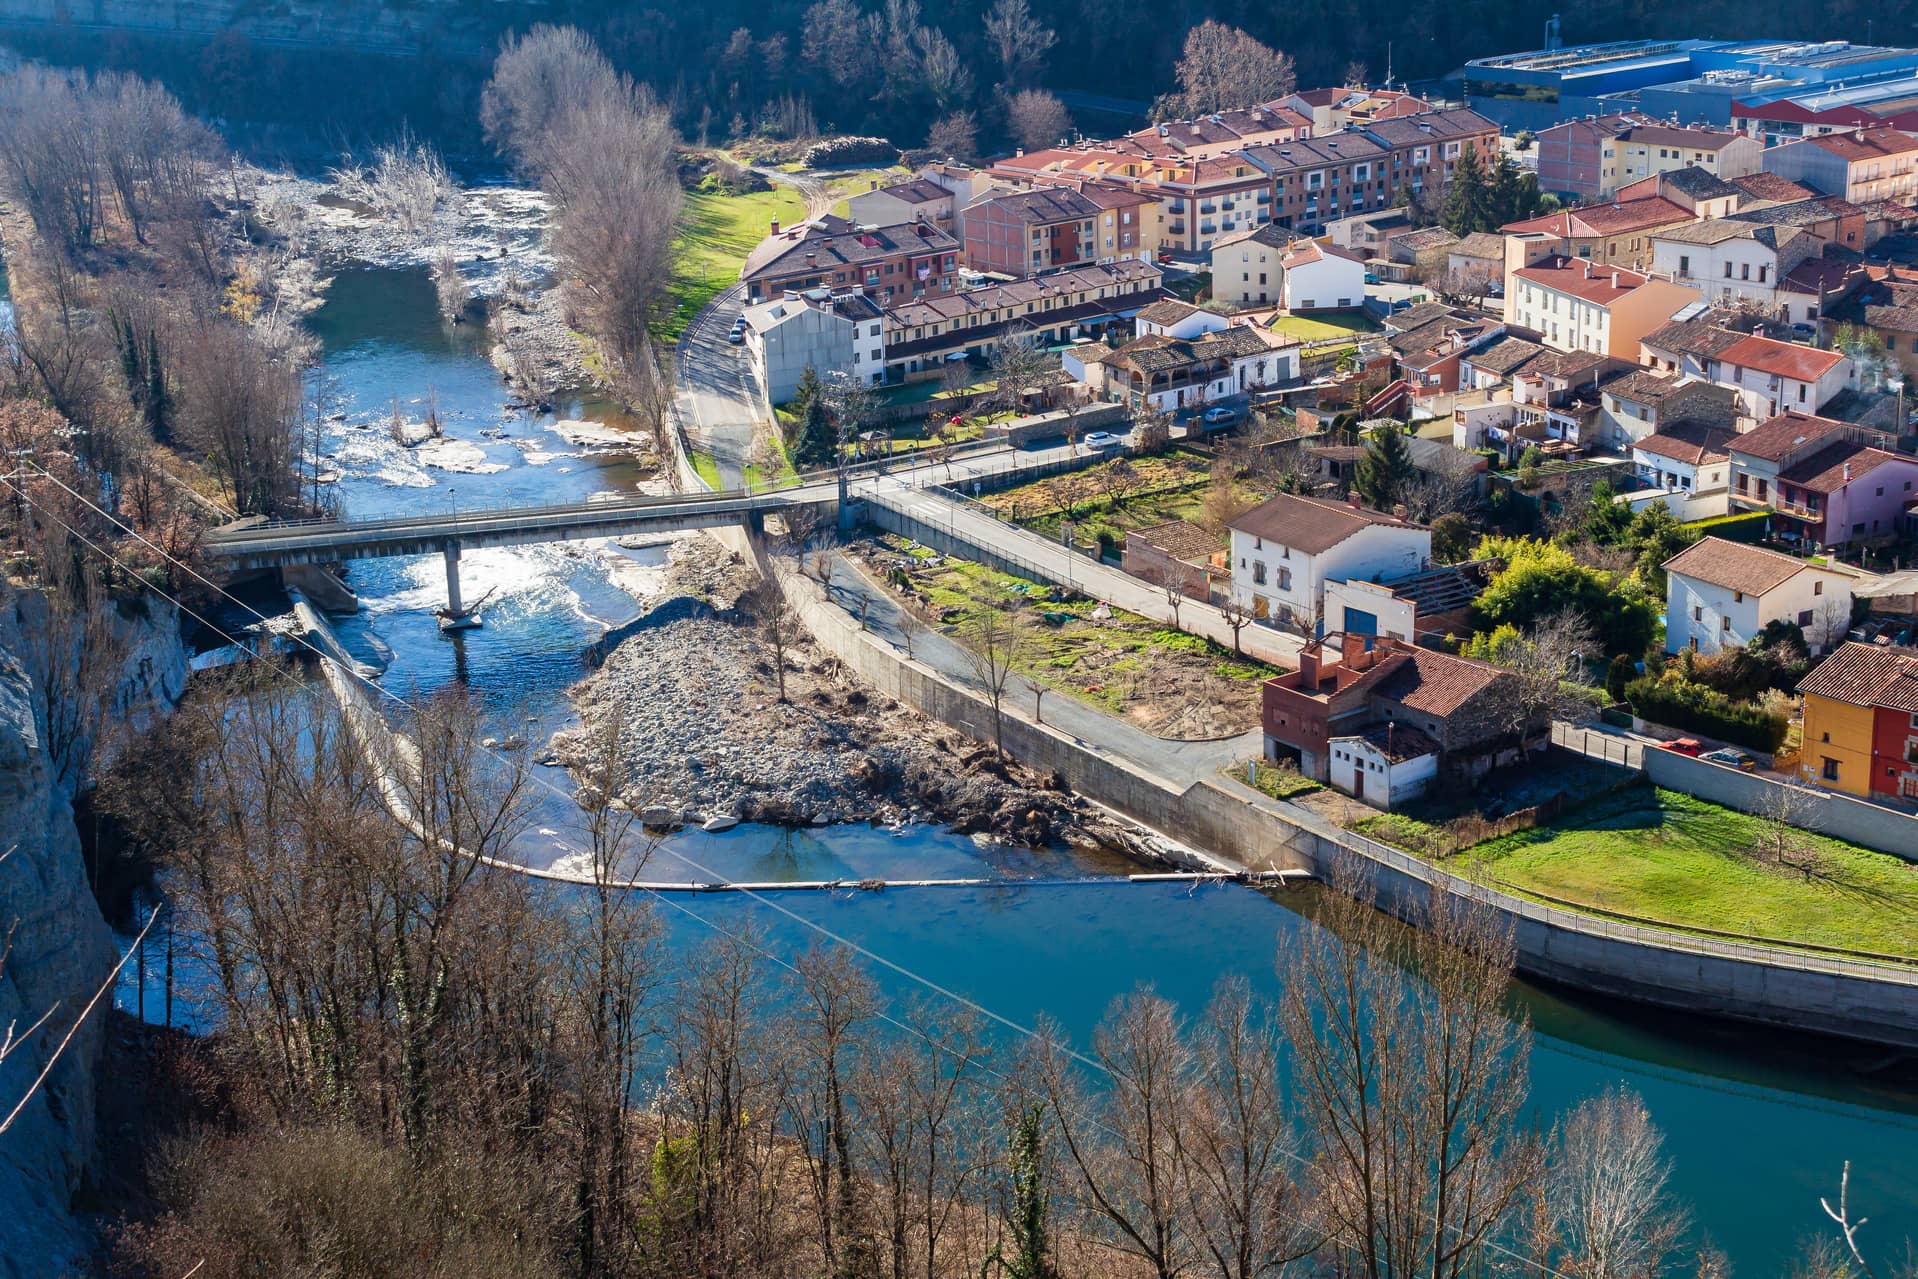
[{"x": 870, "y": 65}]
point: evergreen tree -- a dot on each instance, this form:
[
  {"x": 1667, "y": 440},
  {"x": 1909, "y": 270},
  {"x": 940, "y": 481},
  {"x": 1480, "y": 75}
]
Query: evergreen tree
[
  {"x": 1465, "y": 209},
  {"x": 1386, "y": 468},
  {"x": 159, "y": 405},
  {"x": 810, "y": 439}
]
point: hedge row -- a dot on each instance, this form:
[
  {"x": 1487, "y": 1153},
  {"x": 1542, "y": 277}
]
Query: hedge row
[
  {"x": 1678, "y": 704},
  {"x": 1746, "y": 526}
]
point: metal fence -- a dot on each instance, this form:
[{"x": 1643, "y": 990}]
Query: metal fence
[{"x": 1609, "y": 747}]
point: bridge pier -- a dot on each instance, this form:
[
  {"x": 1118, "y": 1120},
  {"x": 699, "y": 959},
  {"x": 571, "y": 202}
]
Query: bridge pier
[{"x": 455, "y": 616}]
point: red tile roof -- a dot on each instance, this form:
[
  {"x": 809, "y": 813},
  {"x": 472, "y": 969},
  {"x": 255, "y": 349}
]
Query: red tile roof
[
  {"x": 1836, "y": 465},
  {"x": 1311, "y": 525},
  {"x": 1578, "y": 278},
  {"x": 1770, "y": 441},
  {"x": 1781, "y": 359},
  {"x": 1867, "y": 675},
  {"x": 1435, "y": 683},
  {"x": 1771, "y": 186},
  {"x": 1865, "y": 144},
  {"x": 1735, "y": 566},
  {"x": 1604, "y": 219}
]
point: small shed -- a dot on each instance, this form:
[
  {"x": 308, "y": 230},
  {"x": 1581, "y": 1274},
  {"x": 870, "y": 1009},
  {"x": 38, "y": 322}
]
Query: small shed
[{"x": 1385, "y": 766}]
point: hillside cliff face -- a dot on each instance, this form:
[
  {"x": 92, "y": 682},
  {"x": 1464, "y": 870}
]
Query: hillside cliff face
[{"x": 61, "y": 948}]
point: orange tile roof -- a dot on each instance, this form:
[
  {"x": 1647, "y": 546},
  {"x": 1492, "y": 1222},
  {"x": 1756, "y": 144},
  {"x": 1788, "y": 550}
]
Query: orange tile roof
[
  {"x": 1578, "y": 278},
  {"x": 1604, "y": 219},
  {"x": 1867, "y": 675},
  {"x": 1781, "y": 359}
]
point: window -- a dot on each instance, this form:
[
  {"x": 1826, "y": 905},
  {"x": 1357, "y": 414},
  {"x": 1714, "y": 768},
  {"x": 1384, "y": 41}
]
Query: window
[
  {"x": 1728, "y": 270},
  {"x": 1285, "y": 579},
  {"x": 1804, "y": 617},
  {"x": 1738, "y": 597},
  {"x": 1258, "y": 572},
  {"x": 1724, "y": 625},
  {"x": 1698, "y": 613},
  {"x": 1828, "y": 769}
]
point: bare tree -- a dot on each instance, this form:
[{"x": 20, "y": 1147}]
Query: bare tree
[
  {"x": 539, "y": 81},
  {"x": 1125, "y": 1141},
  {"x": 1542, "y": 659},
  {"x": 1018, "y": 364},
  {"x": 1788, "y": 814},
  {"x": 830, "y": 1031},
  {"x": 954, "y": 135},
  {"x": 1606, "y": 1191},
  {"x": 240, "y": 406},
  {"x": 994, "y": 641},
  {"x": 1411, "y": 1096},
  {"x": 450, "y": 287},
  {"x": 1238, "y": 614},
  {"x": 1037, "y": 119},
  {"x": 779, "y": 625},
  {"x": 1018, "y": 40},
  {"x": 1222, "y": 69}
]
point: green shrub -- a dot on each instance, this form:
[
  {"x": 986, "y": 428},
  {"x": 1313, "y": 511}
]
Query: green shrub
[
  {"x": 1748, "y": 526},
  {"x": 1679, "y": 704}
]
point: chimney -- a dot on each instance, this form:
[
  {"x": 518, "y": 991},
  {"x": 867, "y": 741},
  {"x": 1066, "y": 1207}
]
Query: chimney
[
  {"x": 1848, "y": 472},
  {"x": 812, "y": 259},
  {"x": 1351, "y": 650},
  {"x": 1352, "y": 500},
  {"x": 1398, "y": 510},
  {"x": 1309, "y": 668},
  {"x": 775, "y": 230}
]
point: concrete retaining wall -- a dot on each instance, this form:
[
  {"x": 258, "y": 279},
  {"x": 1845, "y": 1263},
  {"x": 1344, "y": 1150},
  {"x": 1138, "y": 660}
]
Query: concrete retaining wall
[
  {"x": 1782, "y": 989},
  {"x": 1840, "y": 816}
]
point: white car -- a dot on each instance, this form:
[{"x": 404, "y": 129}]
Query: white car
[
  {"x": 1102, "y": 440},
  {"x": 1214, "y": 417}
]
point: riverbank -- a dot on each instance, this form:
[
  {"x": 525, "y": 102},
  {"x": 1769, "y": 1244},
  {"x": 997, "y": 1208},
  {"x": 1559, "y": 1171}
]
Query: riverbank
[{"x": 694, "y": 687}]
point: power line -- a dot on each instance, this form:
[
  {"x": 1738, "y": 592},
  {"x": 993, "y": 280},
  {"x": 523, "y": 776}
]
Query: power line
[{"x": 856, "y": 947}]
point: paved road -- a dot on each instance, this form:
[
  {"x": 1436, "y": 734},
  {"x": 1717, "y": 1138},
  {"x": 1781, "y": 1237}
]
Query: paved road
[
  {"x": 718, "y": 401},
  {"x": 974, "y": 524}
]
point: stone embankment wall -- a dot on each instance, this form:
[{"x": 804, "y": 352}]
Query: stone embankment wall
[
  {"x": 61, "y": 948},
  {"x": 1695, "y": 975}
]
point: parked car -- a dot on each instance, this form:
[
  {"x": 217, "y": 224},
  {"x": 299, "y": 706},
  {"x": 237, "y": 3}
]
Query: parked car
[
  {"x": 1685, "y": 745},
  {"x": 1804, "y": 332},
  {"x": 737, "y": 337},
  {"x": 1102, "y": 440},
  {"x": 1220, "y": 416},
  {"x": 1731, "y": 759}
]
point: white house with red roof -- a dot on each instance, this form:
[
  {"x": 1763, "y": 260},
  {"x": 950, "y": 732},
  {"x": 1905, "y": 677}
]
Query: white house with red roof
[
  {"x": 1772, "y": 376},
  {"x": 1321, "y": 277},
  {"x": 1576, "y": 305}
]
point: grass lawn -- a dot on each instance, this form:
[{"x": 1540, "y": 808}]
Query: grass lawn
[
  {"x": 716, "y": 232},
  {"x": 707, "y": 467},
  {"x": 1276, "y": 781},
  {"x": 1330, "y": 324},
  {"x": 1166, "y": 681},
  {"x": 774, "y": 471},
  {"x": 1666, "y": 857}
]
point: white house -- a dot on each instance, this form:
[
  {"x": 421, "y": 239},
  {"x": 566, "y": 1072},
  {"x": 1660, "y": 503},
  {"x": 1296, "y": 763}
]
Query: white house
[
  {"x": 1730, "y": 261},
  {"x": 1386, "y": 765},
  {"x": 817, "y": 330},
  {"x": 1691, "y": 457},
  {"x": 1772, "y": 377},
  {"x": 1171, "y": 318},
  {"x": 1285, "y": 550},
  {"x": 1171, "y": 373},
  {"x": 1245, "y": 265},
  {"x": 1321, "y": 277},
  {"x": 1718, "y": 594}
]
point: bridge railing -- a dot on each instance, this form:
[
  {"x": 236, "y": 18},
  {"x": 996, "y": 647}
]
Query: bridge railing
[{"x": 476, "y": 513}]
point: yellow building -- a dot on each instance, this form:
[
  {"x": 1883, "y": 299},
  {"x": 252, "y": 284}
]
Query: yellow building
[{"x": 1861, "y": 718}]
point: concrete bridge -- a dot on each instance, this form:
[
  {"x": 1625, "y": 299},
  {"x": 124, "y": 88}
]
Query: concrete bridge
[{"x": 251, "y": 546}]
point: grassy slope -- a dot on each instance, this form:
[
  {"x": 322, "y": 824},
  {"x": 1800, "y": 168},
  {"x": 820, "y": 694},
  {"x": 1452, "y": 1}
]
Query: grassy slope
[
  {"x": 1668, "y": 857},
  {"x": 716, "y": 233}
]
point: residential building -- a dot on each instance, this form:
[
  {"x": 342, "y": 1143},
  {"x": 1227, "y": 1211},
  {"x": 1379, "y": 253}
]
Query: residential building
[
  {"x": 1602, "y": 234},
  {"x": 1164, "y": 373},
  {"x": 1772, "y": 376},
  {"x": 1333, "y": 109},
  {"x": 1196, "y": 199},
  {"x": 922, "y": 337},
  {"x": 1425, "y": 607},
  {"x": 889, "y": 264},
  {"x": 1245, "y": 265},
  {"x": 1210, "y": 136},
  {"x": 1861, "y": 722},
  {"x": 1413, "y": 717},
  {"x": 1571, "y": 155},
  {"x": 1127, "y": 224},
  {"x": 1321, "y": 277},
  {"x": 818, "y": 330},
  {"x": 1832, "y": 219},
  {"x": 1475, "y": 262},
  {"x": 1494, "y": 364},
  {"x": 1760, "y": 456},
  {"x": 1019, "y": 233},
  {"x": 1733, "y": 262},
  {"x": 1830, "y": 483},
  {"x": 1178, "y": 553},
  {"x": 1649, "y": 148},
  {"x": 917, "y": 199},
  {"x": 1577, "y": 305},
  {"x": 1818, "y": 287},
  {"x": 1691, "y": 341},
  {"x": 1720, "y": 594},
  {"x": 1319, "y": 180},
  {"x": 1638, "y": 403},
  {"x": 1705, "y": 194},
  {"x": 1770, "y": 188},
  {"x": 1885, "y": 304},
  {"x": 1286, "y": 549},
  {"x": 1175, "y": 318},
  {"x": 1428, "y": 343},
  {"x": 1687, "y": 457},
  {"x": 1866, "y": 164}
]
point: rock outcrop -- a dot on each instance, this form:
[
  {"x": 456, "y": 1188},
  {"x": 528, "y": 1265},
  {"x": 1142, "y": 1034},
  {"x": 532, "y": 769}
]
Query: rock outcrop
[{"x": 61, "y": 948}]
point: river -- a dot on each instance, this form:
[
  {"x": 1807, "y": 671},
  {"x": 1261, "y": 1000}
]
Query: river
[{"x": 1758, "y": 1124}]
